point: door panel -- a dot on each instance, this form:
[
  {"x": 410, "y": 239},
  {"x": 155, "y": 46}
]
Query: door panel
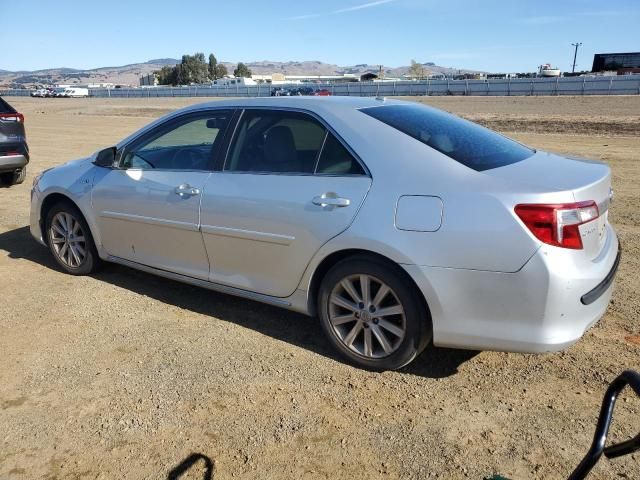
[
  {"x": 144, "y": 219},
  {"x": 260, "y": 231}
]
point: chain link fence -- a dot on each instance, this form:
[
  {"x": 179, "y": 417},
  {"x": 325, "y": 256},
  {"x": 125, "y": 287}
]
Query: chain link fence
[{"x": 613, "y": 85}]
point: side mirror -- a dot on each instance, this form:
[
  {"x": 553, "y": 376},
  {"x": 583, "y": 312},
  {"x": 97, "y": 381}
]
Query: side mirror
[
  {"x": 216, "y": 122},
  {"x": 106, "y": 158}
]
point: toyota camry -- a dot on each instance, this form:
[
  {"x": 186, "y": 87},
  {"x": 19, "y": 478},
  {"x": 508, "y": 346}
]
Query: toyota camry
[{"x": 398, "y": 225}]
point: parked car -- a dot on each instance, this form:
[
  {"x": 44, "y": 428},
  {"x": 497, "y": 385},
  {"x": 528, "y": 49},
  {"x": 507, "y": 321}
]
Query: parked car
[
  {"x": 280, "y": 92},
  {"x": 59, "y": 92},
  {"x": 302, "y": 91},
  {"x": 322, "y": 92},
  {"x": 398, "y": 224},
  {"x": 41, "y": 92},
  {"x": 14, "y": 152},
  {"x": 76, "y": 92},
  {"x": 70, "y": 92}
]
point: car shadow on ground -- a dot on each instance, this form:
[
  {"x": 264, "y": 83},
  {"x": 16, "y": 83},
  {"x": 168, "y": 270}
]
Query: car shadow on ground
[
  {"x": 183, "y": 467},
  {"x": 294, "y": 328}
]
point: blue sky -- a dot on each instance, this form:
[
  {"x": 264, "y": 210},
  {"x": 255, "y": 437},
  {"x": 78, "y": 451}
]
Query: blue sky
[{"x": 494, "y": 35}]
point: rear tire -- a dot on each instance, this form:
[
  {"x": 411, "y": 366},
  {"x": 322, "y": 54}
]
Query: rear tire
[
  {"x": 13, "y": 178},
  {"x": 372, "y": 314},
  {"x": 70, "y": 240},
  {"x": 20, "y": 176}
]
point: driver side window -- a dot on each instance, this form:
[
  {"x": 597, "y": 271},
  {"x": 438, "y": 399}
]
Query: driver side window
[{"x": 187, "y": 143}]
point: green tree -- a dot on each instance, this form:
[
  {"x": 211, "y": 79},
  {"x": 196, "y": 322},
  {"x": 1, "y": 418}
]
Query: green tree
[
  {"x": 194, "y": 69},
  {"x": 213, "y": 67},
  {"x": 221, "y": 71},
  {"x": 242, "y": 71},
  {"x": 166, "y": 75},
  {"x": 191, "y": 69},
  {"x": 416, "y": 70}
]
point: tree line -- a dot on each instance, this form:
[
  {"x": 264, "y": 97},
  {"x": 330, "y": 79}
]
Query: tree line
[{"x": 195, "y": 69}]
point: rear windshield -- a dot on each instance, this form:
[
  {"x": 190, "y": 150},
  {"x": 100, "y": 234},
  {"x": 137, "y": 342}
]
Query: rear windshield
[
  {"x": 5, "y": 107},
  {"x": 465, "y": 142}
]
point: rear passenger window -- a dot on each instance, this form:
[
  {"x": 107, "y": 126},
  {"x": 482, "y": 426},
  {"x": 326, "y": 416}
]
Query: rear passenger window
[
  {"x": 335, "y": 159},
  {"x": 269, "y": 141},
  {"x": 465, "y": 142}
]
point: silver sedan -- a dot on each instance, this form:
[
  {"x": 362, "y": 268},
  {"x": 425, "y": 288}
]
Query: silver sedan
[{"x": 400, "y": 226}]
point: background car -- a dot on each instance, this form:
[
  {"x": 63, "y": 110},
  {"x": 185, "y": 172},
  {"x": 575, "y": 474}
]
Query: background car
[
  {"x": 59, "y": 92},
  {"x": 14, "y": 152},
  {"x": 322, "y": 92},
  {"x": 398, "y": 225},
  {"x": 280, "y": 92},
  {"x": 302, "y": 91},
  {"x": 41, "y": 93}
]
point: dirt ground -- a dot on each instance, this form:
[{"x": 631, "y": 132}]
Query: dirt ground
[{"x": 125, "y": 375}]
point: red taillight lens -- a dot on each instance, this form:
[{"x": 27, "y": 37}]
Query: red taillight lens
[
  {"x": 557, "y": 224},
  {"x": 12, "y": 117}
]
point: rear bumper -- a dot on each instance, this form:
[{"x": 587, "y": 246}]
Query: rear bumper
[
  {"x": 10, "y": 163},
  {"x": 593, "y": 295},
  {"x": 537, "y": 309}
]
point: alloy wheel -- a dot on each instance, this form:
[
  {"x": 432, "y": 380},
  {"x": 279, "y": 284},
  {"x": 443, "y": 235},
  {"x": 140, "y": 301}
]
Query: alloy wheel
[
  {"x": 68, "y": 239},
  {"x": 367, "y": 316}
]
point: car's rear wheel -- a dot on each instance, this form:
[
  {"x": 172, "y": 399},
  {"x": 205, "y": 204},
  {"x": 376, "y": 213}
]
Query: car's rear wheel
[
  {"x": 70, "y": 240},
  {"x": 13, "y": 178},
  {"x": 372, "y": 314},
  {"x": 19, "y": 177}
]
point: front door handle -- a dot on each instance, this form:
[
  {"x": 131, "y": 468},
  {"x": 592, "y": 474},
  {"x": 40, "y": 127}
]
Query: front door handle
[
  {"x": 185, "y": 190},
  {"x": 331, "y": 199}
]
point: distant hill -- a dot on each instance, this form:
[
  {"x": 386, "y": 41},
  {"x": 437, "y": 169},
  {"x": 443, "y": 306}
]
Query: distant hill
[{"x": 129, "y": 74}]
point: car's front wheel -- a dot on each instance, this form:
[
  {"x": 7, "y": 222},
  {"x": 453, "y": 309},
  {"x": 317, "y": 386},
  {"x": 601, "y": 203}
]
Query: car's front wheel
[
  {"x": 372, "y": 314},
  {"x": 70, "y": 240}
]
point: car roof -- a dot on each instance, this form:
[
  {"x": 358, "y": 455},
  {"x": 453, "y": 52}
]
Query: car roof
[
  {"x": 339, "y": 107},
  {"x": 334, "y": 103}
]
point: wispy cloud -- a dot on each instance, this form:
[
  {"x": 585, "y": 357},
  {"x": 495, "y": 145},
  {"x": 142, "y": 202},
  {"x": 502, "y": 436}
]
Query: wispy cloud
[{"x": 354, "y": 8}]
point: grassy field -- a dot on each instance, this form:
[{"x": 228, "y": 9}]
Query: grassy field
[{"x": 125, "y": 375}]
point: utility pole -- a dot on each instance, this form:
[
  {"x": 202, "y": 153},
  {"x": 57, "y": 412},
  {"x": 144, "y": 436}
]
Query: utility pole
[{"x": 575, "y": 54}]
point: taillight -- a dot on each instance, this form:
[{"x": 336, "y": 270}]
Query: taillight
[
  {"x": 557, "y": 224},
  {"x": 12, "y": 117}
]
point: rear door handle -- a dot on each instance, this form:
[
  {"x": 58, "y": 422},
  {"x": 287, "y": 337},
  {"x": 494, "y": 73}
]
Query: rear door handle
[
  {"x": 331, "y": 199},
  {"x": 185, "y": 190}
]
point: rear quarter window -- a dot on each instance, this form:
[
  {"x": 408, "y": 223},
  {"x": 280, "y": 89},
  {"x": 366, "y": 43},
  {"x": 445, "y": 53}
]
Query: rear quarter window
[{"x": 465, "y": 142}]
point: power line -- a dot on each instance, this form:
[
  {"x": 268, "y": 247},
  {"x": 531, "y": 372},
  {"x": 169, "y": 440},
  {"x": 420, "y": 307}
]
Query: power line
[{"x": 575, "y": 54}]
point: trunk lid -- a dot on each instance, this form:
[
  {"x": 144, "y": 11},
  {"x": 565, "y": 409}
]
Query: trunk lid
[{"x": 586, "y": 180}]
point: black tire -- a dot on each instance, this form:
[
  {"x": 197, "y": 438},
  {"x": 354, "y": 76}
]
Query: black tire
[
  {"x": 91, "y": 261},
  {"x": 20, "y": 176},
  {"x": 416, "y": 320},
  {"x": 13, "y": 178}
]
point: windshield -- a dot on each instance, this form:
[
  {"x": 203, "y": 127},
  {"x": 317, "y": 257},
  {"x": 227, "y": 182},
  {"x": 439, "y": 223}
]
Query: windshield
[{"x": 465, "y": 142}]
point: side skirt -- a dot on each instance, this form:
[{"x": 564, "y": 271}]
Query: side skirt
[{"x": 279, "y": 302}]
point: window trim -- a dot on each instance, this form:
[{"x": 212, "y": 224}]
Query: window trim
[
  {"x": 328, "y": 129},
  {"x": 184, "y": 117}
]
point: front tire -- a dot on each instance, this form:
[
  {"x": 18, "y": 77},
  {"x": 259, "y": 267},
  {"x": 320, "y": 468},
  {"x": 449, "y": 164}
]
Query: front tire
[
  {"x": 372, "y": 314},
  {"x": 70, "y": 240}
]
